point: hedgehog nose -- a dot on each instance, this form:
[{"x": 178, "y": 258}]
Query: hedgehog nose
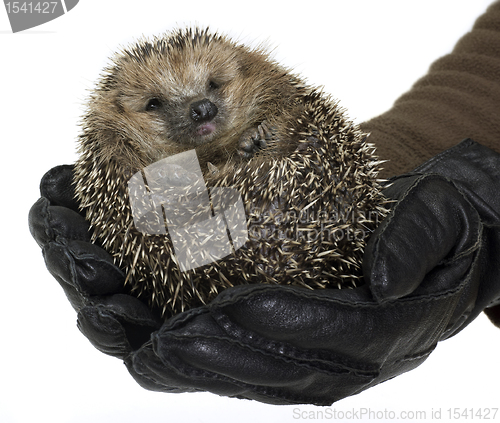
[{"x": 203, "y": 110}]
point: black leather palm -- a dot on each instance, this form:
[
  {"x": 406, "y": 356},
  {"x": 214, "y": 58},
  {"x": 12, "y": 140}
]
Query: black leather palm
[{"x": 431, "y": 267}]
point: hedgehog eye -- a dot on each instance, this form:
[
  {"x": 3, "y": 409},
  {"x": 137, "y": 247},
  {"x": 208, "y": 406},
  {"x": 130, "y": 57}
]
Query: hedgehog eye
[
  {"x": 153, "y": 104},
  {"x": 213, "y": 85}
]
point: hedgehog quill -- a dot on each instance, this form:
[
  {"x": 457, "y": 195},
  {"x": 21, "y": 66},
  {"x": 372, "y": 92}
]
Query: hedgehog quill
[{"x": 280, "y": 174}]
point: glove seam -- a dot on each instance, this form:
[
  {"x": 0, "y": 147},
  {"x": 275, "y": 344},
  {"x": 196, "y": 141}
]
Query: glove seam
[
  {"x": 46, "y": 216},
  {"x": 180, "y": 319},
  {"x": 98, "y": 262},
  {"x": 307, "y": 294},
  {"x": 272, "y": 393},
  {"x": 104, "y": 314},
  {"x": 189, "y": 371},
  {"x": 316, "y": 363},
  {"x": 64, "y": 250},
  {"x": 72, "y": 258},
  {"x": 414, "y": 357},
  {"x": 293, "y": 352},
  {"x": 114, "y": 312},
  {"x": 469, "y": 251}
]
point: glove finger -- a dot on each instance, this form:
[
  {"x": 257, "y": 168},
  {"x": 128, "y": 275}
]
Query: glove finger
[
  {"x": 285, "y": 345},
  {"x": 154, "y": 375},
  {"x": 47, "y": 222},
  {"x": 57, "y": 185},
  {"x": 430, "y": 226},
  {"x": 208, "y": 360},
  {"x": 118, "y": 324},
  {"x": 224, "y": 367},
  {"x": 83, "y": 270}
]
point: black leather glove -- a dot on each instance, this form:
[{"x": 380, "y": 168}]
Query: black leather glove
[
  {"x": 431, "y": 267},
  {"x": 114, "y": 322}
]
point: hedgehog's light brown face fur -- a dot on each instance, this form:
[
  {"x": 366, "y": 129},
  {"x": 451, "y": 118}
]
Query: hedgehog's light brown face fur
[{"x": 173, "y": 94}]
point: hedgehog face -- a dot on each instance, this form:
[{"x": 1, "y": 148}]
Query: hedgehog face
[
  {"x": 183, "y": 92},
  {"x": 187, "y": 90},
  {"x": 181, "y": 101}
]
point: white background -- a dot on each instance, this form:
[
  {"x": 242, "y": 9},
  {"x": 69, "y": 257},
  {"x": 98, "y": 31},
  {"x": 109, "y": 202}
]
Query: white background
[{"x": 365, "y": 52}]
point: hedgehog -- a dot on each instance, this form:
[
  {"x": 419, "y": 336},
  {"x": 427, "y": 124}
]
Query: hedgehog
[{"x": 205, "y": 164}]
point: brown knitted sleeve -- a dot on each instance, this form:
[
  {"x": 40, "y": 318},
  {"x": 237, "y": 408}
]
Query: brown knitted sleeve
[{"x": 458, "y": 98}]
